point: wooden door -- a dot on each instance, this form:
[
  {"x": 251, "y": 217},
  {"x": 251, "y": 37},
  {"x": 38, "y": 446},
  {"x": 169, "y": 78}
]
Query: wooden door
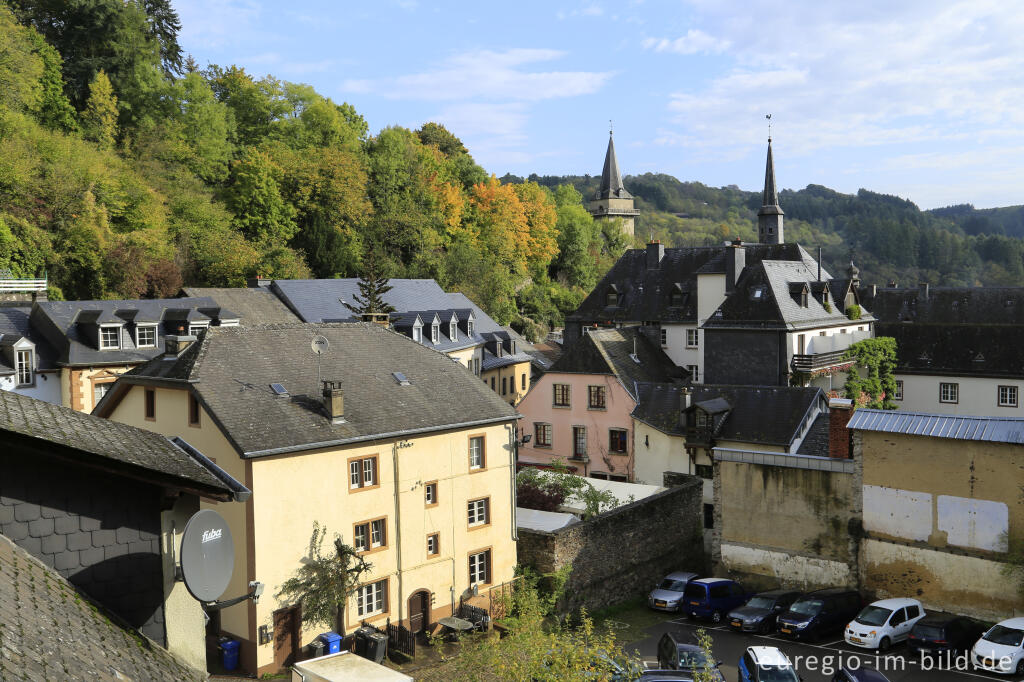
[
  {"x": 419, "y": 611},
  {"x": 286, "y": 637}
]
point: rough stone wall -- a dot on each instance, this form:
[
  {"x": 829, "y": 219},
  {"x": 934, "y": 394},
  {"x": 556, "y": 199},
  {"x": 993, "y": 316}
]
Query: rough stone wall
[
  {"x": 101, "y": 532},
  {"x": 621, "y": 554}
]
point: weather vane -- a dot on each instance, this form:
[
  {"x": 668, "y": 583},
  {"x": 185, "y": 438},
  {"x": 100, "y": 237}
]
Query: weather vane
[
  {"x": 769, "y": 117},
  {"x": 610, "y": 129}
]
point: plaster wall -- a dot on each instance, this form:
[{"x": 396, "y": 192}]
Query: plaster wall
[
  {"x": 676, "y": 349},
  {"x": 798, "y": 570},
  {"x": 46, "y": 387},
  {"x": 183, "y": 616},
  {"x": 978, "y": 396},
  {"x": 78, "y": 384}
]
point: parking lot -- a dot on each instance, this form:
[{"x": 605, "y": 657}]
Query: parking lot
[{"x": 816, "y": 662}]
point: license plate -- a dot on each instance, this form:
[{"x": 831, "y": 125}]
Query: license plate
[
  {"x": 786, "y": 631},
  {"x": 989, "y": 662},
  {"x": 737, "y": 624},
  {"x": 695, "y": 603},
  {"x": 659, "y": 603},
  {"x": 856, "y": 640}
]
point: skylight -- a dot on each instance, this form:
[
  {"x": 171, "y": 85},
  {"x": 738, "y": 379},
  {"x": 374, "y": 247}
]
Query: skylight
[
  {"x": 278, "y": 389},
  {"x": 401, "y": 379}
]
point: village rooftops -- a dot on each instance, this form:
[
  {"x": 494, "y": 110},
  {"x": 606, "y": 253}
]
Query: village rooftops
[
  {"x": 231, "y": 370},
  {"x": 254, "y": 305}
]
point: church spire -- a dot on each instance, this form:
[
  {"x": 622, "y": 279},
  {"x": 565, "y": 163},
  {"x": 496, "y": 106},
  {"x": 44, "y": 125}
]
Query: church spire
[
  {"x": 612, "y": 201},
  {"x": 769, "y": 217},
  {"x": 611, "y": 179}
]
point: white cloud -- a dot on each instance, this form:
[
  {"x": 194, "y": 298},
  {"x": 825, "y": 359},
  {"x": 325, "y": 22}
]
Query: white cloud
[
  {"x": 210, "y": 24},
  {"x": 694, "y": 42}
]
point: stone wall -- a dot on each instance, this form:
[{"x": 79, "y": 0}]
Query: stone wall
[{"x": 623, "y": 553}]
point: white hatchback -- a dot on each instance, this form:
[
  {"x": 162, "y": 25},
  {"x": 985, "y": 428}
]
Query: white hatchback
[
  {"x": 1001, "y": 649},
  {"x": 881, "y": 624}
]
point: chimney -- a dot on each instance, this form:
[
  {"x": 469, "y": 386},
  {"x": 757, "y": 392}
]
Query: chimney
[
  {"x": 840, "y": 410},
  {"x": 258, "y": 281},
  {"x": 735, "y": 261},
  {"x": 383, "y": 319},
  {"x": 176, "y": 344},
  {"x": 684, "y": 403},
  {"x": 923, "y": 288},
  {"x": 334, "y": 401},
  {"x": 655, "y": 252}
]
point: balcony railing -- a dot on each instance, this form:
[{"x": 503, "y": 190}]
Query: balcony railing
[
  {"x": 8, "y": 286},
  {"x": 817, "y": 361}
]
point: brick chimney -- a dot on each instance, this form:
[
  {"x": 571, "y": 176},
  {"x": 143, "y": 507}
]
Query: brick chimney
[
  {"x": 655, "y": 252},
  {"x": 840, "y": 410},
  {"x": 334, "y": 401}
]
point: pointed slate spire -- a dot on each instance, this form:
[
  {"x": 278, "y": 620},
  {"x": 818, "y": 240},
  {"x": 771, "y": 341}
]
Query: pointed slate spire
[
  {"x": 611, "y": 179},
  {"x": 769, "y": 197},
  {"x": 769, "y": 217}
]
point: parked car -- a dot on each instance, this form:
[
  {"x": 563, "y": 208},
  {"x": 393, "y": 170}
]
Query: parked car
[
  {"x": 1001, "y": 649},
  {"x": 712, "y": 598},
  {"x": 819, "y": 612},
  {"x": 668, "y": 595},
  {"x": 761, "y": 611},
  {"x": 939, "y": 634},
  {"x": 680, "y": 653},
  {"x": 859, "y": 675},
  {"x": 883, "y": 623},
  {"x": 665, "y": 676},
  {"x": 766, "y": 664}
]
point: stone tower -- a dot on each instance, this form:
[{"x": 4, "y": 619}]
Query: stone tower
[
  {"x": 612, "y": 200},
  {"x": 769, "y": 217}
]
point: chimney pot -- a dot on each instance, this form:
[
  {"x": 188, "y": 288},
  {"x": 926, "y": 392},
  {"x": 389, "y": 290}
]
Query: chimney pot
[
  {"x": 334, "y": 400},
  {"x": 735, "y": 261}
]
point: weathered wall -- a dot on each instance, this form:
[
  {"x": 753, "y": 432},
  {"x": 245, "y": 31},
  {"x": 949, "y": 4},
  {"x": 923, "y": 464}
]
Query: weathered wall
[
  {"x": 979, "y": 396},
  {"x": 620, "y": 554}
]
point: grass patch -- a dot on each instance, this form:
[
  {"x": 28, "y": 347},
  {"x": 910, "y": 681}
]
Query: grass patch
[{"x": 629, "y": 620}]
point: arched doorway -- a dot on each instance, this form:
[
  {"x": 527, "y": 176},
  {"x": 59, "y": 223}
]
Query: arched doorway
[{"x": 419, "y": 611}]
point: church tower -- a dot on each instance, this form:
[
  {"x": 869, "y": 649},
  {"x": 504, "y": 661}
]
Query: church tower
[
  {"x": 769, "y": 217},
  {"x": 612, "y": 200}
]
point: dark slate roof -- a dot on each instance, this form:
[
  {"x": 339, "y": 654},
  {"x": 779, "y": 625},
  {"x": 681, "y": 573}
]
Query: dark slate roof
[
  {"x": 610, "y": 351},
  {"x": 645, "y": 293},
  {"x": 54, "y": 632},
  {"x": 771, "y": 415},
  {"x": 970, "y": 331},
  {"x": 404, "y": 322},
  {"x": 816, "y": 442},
  {"x": 14, "y": 325},
  {"x": 769, "y": 197},
  {"x": 62, "y": 322},
  {"x": 135, "y": 450},
  {"x": 491, "y": 361},
  {"x": 611, "y": 180},
  {"x": 232, "y": 368},
  {"x": 254, "y": 305}
]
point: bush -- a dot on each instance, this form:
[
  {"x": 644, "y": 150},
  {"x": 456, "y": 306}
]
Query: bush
[{"x": 853, "y": 312}]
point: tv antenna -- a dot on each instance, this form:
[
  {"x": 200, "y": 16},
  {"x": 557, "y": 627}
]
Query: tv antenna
[
  {"x": 319, "y": 345},
  {"x": 208, "y": 561}
]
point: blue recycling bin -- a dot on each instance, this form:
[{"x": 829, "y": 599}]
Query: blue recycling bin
[
  {"x": 332, "y": 642},
  {"x": 230, "y": 654}
]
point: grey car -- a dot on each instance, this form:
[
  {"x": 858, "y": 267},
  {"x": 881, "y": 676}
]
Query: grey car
[
  {"x": 667, "y": 596},
  {"x": 761, "y": 610}
]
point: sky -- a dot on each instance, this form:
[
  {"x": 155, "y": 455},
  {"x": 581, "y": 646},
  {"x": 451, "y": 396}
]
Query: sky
[{"x": 924, "y": 100}]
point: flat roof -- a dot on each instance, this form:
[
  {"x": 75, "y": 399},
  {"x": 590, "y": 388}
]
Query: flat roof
[{"x": 346, "y": 666}]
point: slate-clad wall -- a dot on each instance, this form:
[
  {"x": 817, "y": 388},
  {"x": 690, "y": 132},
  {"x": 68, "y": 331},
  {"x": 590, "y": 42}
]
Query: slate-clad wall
[
  {"x": 99, "y": 531},
  {"x": 744, "y": 357},
  {"x": 619, "y": 555}
]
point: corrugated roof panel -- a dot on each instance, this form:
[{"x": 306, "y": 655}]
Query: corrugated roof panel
[{"x": 993, "y": 429}]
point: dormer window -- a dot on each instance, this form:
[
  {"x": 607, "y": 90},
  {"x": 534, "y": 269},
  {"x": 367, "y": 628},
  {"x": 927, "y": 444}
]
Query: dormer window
[
  {"x": 145, "y": 336},
  {"x": 435, "y": 333},
  {"x": 703, "y": 419},
  {"x": 803, "y": 298},
  {"x": 23, "y": 366},
  {"x": 453, "y": 330},
  {"x": 195, "y": 329},
  {"x": 612, "y": 296},
  {"x": 676, "y": 296},
  {"x": 110, "y": 337},
  {"x": 417, "y": 332},
  {"x": 469, "y": 327}
]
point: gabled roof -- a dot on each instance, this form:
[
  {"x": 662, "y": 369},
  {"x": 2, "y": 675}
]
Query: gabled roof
[
  {"x": 231, "y": 369},
  {"x": 54, "y": 632},
  {"x": 990, "y": 429},
  {"x": 14, "y": 325},
  {"x": 615, "y": 352},
  {"x": 254, "y": 305}
]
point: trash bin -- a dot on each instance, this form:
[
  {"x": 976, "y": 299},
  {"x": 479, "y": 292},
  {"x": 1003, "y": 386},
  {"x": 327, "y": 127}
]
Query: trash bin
[
  {"x": 331, "y": 641},
  {"x": 377, "y": 646},
  {"x": 229, "y": 657},
  {"x": 316, "y": 648}
]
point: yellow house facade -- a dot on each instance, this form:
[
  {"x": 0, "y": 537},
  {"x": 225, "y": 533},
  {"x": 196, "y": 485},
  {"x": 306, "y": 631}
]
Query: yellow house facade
[{"x": 416, "y": 476}]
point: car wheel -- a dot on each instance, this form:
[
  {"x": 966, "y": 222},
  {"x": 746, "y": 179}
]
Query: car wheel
[
  {"x": 716, "y": 617},
  {"x": 884, "y": 644},
  {"x": 765, "y": 627},
  {"x": 1020, "y": 667}
]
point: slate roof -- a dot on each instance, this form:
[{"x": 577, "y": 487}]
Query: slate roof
[
  {"x": 609, "y": 351},
  {"x": 611, "y": 179},
  {"x": 137, "y": 451},
  {"x": 405, "y": 321},
  {"x": 254, "y": 305},
  {"x": 991, "y": 429},
  {"x": 54, "y": 632},
  {"x": 491, "y": 361},
  {"x": 231, "y": 369},
  {"x": 14, "y": 324},
  {"x": 645, "y": 293},
  {"x": 769, "y": 415},
  {"x": 816, "y": 442}
]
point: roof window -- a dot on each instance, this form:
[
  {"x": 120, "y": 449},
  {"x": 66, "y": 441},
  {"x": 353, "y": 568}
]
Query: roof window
[{"x": 401, "y": 378}]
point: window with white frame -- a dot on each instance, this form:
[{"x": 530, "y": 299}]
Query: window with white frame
[
  {"x": 361, "y": 537},
  {"x": 949, "y": 393},
  {"x": 99, "y": 390},
  {"x": 110, "y": 337},
  {"x": 694, "y": 371},
  {"x": 433, "y": 544},
  {"x": 478, "y": 511},
  {"x": 469, "y": 327},
  {"x": 145, "y": 336},
  {"x": 692, "y": 338},
  {"x": 378, "y": 533},
  {"x": 477, "y": 458},
  {"x": 480, "y": 567},
  {"x": 430, "y": 494},
  {"x": 372, "y": 599},
  {"x": 1007, "y": 396},
  {"x": 435, "y": 333},
  {"x": 899, "y": 390},
  {"x": 417, "y": 333},
  {"x": 362, "y": 472},
  {"x": 195, "y": 329},
  {"x": 453, "y": 330},
  {"x": 23, "y": 367}
]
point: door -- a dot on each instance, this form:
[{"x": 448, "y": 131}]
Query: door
[
  {"x": 900, "y": 625},
  {"x": 419, "y": 611},
  {"x": 286, "y": 637}
]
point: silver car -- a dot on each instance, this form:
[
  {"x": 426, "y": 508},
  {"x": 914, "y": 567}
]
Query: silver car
[{"x": 668, "y": 595}]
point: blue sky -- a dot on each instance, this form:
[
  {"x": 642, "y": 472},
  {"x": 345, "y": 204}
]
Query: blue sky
[{"x": 920, "y": 99}]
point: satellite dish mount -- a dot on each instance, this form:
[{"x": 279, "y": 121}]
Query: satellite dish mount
[
  {"x": 208, "y": 561},
  {"x": 319, "y": 346}
]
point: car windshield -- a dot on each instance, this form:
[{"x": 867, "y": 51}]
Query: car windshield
[
  {"x": 928, "y": 631},
  {"x": 694, "y": 659},
  {"x": 672, "y": 585},
  {"x": 695, "y": 591},
  {"x": 874, "y": 615},
  {"x": 806, "y": 607},
  {"x": 1001, "y": 634},
  {"x": 761, "y": 603},
  {"x": 776, "y": 674}
]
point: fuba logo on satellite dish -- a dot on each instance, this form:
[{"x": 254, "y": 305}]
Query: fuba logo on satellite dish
[{"x": 211, "y": 535}]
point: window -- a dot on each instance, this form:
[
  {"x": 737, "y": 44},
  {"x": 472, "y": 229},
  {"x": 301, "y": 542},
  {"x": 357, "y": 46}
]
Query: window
[
  {"x": 372, "y": 599},
  {"x": 480, "y": 567},
  {"x": 370, "y": 535},
  {"x": 899, "y": 390},
  {"x": 523, "y": 387},
  {"x": 694, "y": 372},
  {"x": 145, "y": 336},
  {"x": 417, "y": 333},
  {"x": 195, "y": 329},
  {"x": 492, "y": 384},
  {"x": 1007, "y": 396},
  {"x": 435, "y": 333},
  {"x": 150, "y": 404},
  {"x": 617, "y": 440},
  {"x": 361, "y": 537},
  {"x": 479, "y": 512},
  {"x": 110, "y": 338},
  {"x": 709, "y": 516},
  {"x": 477, "y": 458},
  {"x": 803, "y": 298},
  {"x": 433, "y": 544},
  {"x": 704, "y": 471},
  {"x": 542, "y": 434},
  {"x": 579, "y": 441},
  {"x": 611, "y": 299},
  {"x": 504, "y": 385},
  {"x": 561, "y": 398},
  {"x": 378, "y": 533},
  {"x": 453, "y": 330},
  {"x": 595, "y": 397},
  {"x": 430, "y": 494},
  {"x": 469, "y": 326},
  {"x": 664, "y": 336},
  {"x": 362, "y": 472},
  {"x": 193, "y": 410},
  {"x": 476, "y": 366},
  {"x": 949, "y": 393},
  {"x": 23, "y": 367},
  {"x": 99, "y": 390},
  {"x": 692, "y": 338}
]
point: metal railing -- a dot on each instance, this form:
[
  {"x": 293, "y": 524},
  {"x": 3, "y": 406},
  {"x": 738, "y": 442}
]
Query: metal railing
[
  {"x": 17, "y": 285},
  {"x": 815, "y": 361}
]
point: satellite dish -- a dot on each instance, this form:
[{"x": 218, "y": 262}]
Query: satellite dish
[
  {"x": 207, "y": 555},
  {"x": 319, "y": 344}
]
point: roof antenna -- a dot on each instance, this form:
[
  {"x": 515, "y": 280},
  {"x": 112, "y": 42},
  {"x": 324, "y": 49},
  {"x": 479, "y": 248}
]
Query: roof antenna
[{"x": 769, "y": 117}]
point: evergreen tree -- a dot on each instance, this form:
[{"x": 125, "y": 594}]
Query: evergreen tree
[
  {"x": 372, "y": 287},
  {"x": 99, "y": 120}
]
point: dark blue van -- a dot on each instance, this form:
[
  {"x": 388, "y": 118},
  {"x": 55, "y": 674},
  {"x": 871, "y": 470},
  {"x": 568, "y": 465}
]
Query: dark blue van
[{"x": 712, "y": 598}]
